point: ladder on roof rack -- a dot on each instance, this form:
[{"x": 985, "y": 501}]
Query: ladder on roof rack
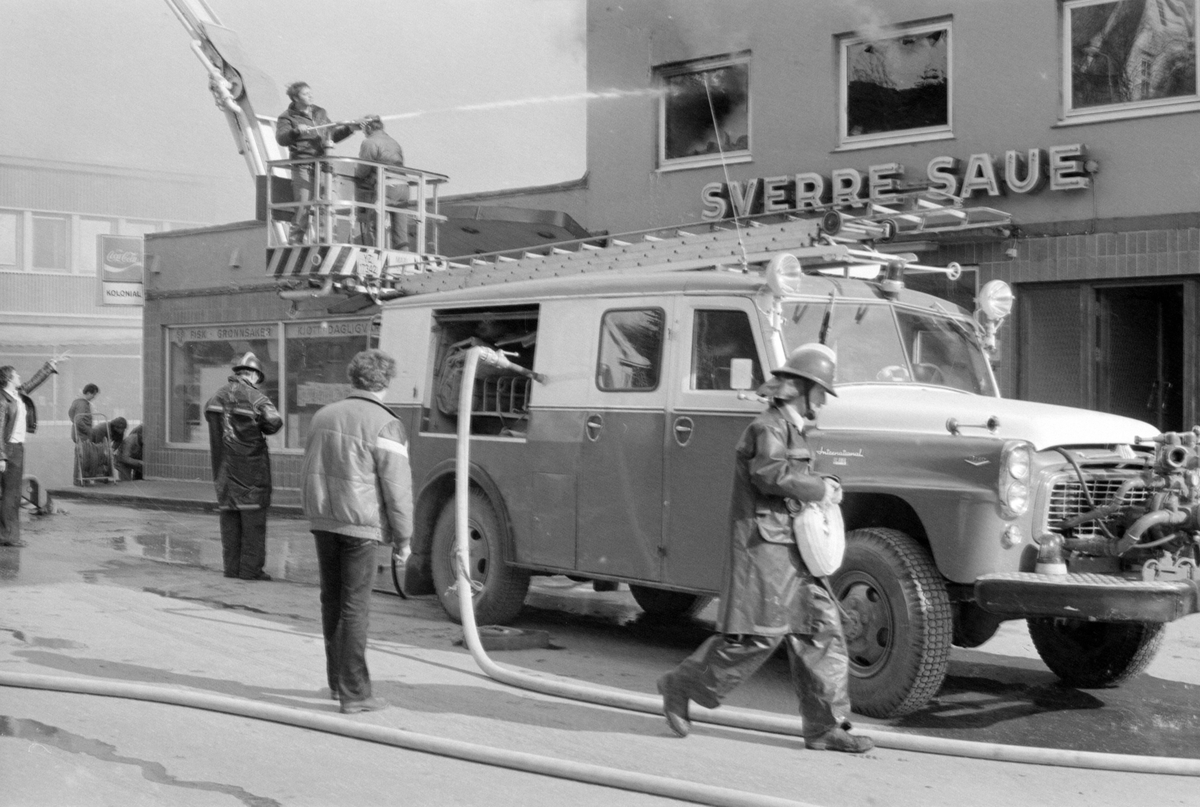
[{"x": 826, "y": 241}]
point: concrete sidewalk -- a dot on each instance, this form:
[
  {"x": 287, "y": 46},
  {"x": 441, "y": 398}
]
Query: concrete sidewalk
[{"x": 172, "y": 494}]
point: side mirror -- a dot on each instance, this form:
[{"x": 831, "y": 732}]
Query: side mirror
[{"x": 741, "y": 373}]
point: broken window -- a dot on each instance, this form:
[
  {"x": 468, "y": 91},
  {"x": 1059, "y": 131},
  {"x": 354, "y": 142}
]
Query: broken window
[
  {"x": 896, "y": 86},
  {"x": 704, "y": 111},
  {"x": 1133, "y": 53}
]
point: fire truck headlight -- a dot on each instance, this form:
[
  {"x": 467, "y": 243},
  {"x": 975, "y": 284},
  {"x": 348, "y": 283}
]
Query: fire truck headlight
[{"x": 1015, "y": 469}]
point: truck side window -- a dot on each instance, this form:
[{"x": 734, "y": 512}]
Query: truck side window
[
  {"x": 631, "y": 342},
  {"x": 717, "y": 338}
]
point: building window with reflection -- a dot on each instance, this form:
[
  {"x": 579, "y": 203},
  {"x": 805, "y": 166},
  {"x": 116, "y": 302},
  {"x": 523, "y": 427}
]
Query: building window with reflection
[
  {"x": 201, "y": 361},
  {"x": 704, "y": 112},
  {"x": 317, "y": 354},
  {"x": 895, "y": 86},
  {"x": 1129, "y": 57}
]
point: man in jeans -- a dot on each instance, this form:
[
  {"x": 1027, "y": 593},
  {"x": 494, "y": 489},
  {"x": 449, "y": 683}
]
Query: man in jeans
[{"x": 356, "y": 491}]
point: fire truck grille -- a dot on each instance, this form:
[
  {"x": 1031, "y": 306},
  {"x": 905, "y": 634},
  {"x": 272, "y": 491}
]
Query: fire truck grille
[{"x": 1067, "y": 500}]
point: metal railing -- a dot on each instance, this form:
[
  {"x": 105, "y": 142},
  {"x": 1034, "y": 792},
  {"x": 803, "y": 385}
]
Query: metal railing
[{"x": 344, "y": 208}]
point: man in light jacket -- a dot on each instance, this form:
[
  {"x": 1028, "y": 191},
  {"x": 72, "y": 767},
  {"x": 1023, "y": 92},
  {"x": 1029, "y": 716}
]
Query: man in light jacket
[
  {"x": 18, "y": 417},
  {"x": 356, "y": 491}
]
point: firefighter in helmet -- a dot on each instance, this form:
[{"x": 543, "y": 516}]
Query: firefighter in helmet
[
  {"x": 239, "y": 417},
  {"x": 768, "y": 595}
]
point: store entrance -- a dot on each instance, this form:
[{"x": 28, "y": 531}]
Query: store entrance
[{"x": 1139, "y": 334}]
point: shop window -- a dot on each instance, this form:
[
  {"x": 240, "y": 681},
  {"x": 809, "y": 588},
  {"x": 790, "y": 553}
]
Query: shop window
[
  {"x": 719, "y": 337},
  {"x": 201, "y": 359},
  {"x": 1129, "y": 57},
  {"x": 9, "y": 250},
  {"x": 86, "y": 244},
  {"x": 50, "y": 243},
  {"x": 896, "y": 88},
  {"x": 704, "y": 113},
  {"x": 631, "y": 344},
  {"x": 317, "y": 354}
]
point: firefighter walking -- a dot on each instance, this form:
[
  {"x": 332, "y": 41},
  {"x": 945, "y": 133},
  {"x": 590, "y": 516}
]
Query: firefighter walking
[{"x": 768, "y": 595}]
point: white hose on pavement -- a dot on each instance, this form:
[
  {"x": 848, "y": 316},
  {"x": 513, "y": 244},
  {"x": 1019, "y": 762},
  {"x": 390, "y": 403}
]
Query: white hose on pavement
[
  {"x": 401, "y": 738},
  {"x": 732, "y": 717}
]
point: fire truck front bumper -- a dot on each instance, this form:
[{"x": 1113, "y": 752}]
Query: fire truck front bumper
[{"x": 1092, "y": 597}]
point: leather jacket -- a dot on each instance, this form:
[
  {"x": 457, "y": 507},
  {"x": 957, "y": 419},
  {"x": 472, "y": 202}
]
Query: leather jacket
[
  {"x": 239, "y": 416},
  {"x": 8, "y": 406}
]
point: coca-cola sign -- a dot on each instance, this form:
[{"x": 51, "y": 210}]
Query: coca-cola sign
[{"x": 119, "y": 259}]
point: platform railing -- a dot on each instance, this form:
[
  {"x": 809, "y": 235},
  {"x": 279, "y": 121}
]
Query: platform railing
[{"x": 343, "y": 209}]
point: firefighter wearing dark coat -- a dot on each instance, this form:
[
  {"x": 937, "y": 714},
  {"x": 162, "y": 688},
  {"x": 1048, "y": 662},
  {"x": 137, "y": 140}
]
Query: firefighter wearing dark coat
[
  {"x": 768, "y": 596},
  {"x": 239, "y": 418}
]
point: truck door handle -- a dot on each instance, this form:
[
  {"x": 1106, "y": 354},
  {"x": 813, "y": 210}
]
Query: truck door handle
[
  {"x": 592, "y": 426},
  {"x": 683, "y": 430}
]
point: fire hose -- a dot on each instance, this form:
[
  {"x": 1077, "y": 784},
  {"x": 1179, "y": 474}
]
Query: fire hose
[{"x": 728, "y": 716}]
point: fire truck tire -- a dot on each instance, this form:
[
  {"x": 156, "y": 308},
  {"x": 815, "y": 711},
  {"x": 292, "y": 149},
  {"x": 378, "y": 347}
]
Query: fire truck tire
[
  {"x": 1095, "y": 654},
  {"x": 503, "y": 587},
  {"x": 897, "y": 621},
  {"x": 973, "y": 625},
  {"x": 661, "y": 603}
]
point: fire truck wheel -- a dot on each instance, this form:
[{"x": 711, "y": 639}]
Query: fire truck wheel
[
  {"x": 972, "y": 625},
  {"x": 503, "y": 587},
  {"x": 897, "y": 622},
  {"x": 1095, "y": 654},
  {"x": 661, "y": 603}
]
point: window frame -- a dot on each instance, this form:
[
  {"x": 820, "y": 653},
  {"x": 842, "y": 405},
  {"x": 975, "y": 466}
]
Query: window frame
[
  {"x": 662, "y": 349},
  {"x": 844, "y": 42},
  {"x": 66, "y": 243},
  {"x": 1070, "y": 115},
  {"x": 707, "y": 64}
]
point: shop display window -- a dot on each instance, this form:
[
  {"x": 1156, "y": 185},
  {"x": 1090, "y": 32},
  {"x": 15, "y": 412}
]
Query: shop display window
[
  {"x": 895, "y": 87},
  {"x": 201, "y": 361},
  {"x": 317, "y": 354},
  {"x": 1129, "y": 57},
  {"x": 704, "y": 113}
]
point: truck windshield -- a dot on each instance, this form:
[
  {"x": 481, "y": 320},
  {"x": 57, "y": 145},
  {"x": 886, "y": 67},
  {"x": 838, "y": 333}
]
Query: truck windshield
[{"x": 883, "y": 343}]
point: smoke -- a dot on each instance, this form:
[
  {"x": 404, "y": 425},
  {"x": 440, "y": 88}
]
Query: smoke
[{"x": 870, "y": 23}]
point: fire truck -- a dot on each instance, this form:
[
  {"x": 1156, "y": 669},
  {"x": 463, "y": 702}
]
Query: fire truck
[{"x": 603, "y": 452}]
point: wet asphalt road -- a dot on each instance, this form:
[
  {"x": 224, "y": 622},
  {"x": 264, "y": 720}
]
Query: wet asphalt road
[{"x": 997, "y": 693}]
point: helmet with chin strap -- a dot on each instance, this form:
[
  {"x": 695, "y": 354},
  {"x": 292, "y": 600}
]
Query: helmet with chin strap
[
  {"x": 250, "y": 362},
  {"x": 814, "y": 362}
]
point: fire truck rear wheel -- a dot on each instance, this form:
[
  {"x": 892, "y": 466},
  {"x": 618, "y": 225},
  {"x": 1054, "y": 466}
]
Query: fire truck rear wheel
[
  {"x": 1095, "y": 654},
  {"x": 503, "y": 587},
  {"x": 661, "y": 603},
  {"x": 897, "y": 621}
]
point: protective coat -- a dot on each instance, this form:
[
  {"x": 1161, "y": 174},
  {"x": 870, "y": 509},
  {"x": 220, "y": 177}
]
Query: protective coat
[
  {"x": 766, "y": 590},
  {"x": 239, "y": 416}
]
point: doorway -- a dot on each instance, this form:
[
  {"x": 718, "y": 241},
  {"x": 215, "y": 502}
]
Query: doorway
[{"x": 1140, "y": 363}]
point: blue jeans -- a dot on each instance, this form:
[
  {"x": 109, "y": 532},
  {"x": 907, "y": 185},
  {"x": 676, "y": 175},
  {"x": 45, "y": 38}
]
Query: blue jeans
[{"x": 347, "y": 576}]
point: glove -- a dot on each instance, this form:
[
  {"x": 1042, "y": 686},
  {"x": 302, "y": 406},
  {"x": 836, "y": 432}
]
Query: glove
[
  {"x": 403, "y": 554},
  {"x": 833, "y": 492}
]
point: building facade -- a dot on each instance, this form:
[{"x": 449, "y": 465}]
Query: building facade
[
  {"x": 1081, "y": 118},
  {"x": 51, "y": 217}
]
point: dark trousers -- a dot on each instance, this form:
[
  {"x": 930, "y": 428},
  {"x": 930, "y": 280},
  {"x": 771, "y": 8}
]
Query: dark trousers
[
  {"x": 818, "y": 662},
  {"x": 244, "y": 542},
  {"x": 10, "y": 494},
  {"x": 302, "y": 191},
  {"x": 347, "y": 576}
]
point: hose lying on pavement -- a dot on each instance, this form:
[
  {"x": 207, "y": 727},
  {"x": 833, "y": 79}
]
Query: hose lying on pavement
[
  {"x": 736, "y": 718},
  {"x": 414, "y": 741}
]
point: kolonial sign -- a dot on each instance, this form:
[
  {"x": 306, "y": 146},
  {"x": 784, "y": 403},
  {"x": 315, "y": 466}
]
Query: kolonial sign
[
  {"x": 120, "y": 259},
  {"x": 1062, "y": 168}
]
